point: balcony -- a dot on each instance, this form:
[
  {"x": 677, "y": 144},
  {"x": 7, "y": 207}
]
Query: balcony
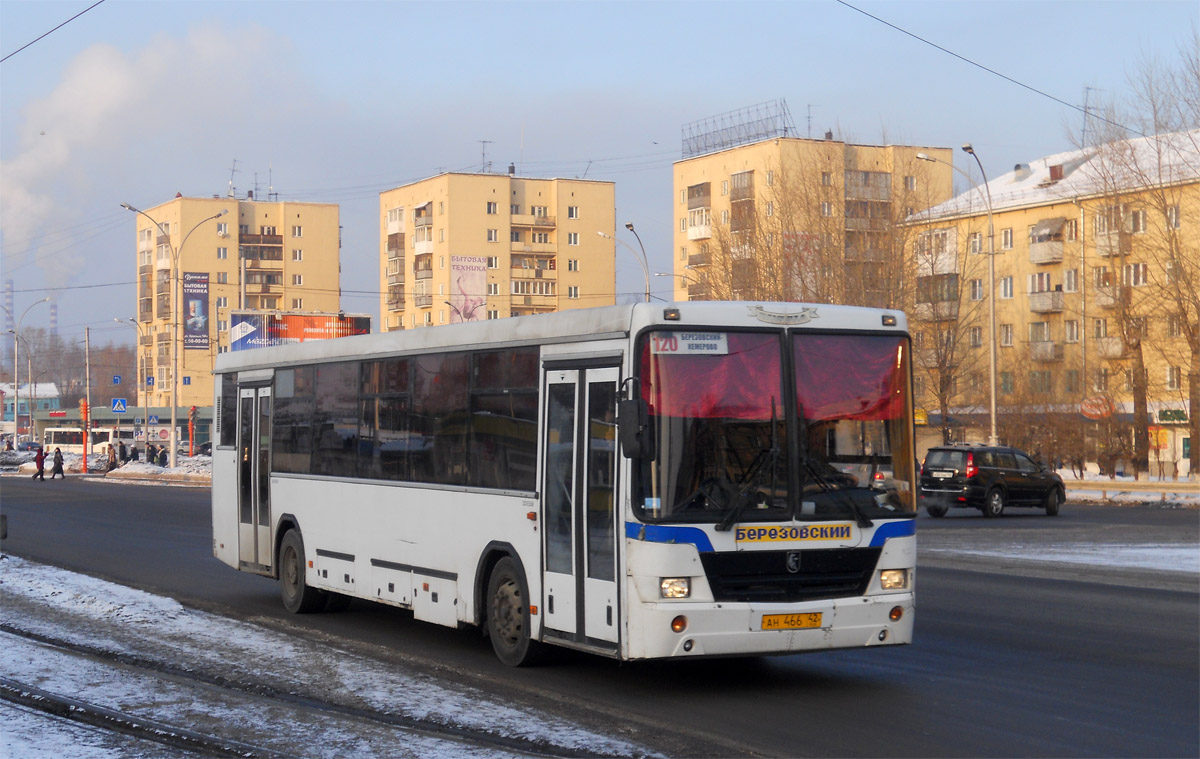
[
  {"x": 260, "y": 240},
  {"x": 699, "y": 232},
  {"x": 421, "y": 274},
  {"x": 866, "y": 255},
  {"x": 423, "y": 247},
  {"x": 395, "y": 299},
  {"x": 395, "y": 244},
  {"x": 946, "y": 310},
  {"x": 1046, "y": 252},
  {"x": 857, "y": 224},
  {"x": 1046, "y": 350},
  {"x": 520, "y": 272},
  {"x": 1050, "y": 302},
  {"x": 878, "y": 192},
  {"x": 699, "y": 259},
  {"x": 529, "y": 220},
  {"x": 423, "y": 301},
  {"x": 423, "y": 220},
  {"x": 534, "y": 301},
  {"x": 698, "y": 291},
  {"x": 543, "y": 248},
  {"x": 1110, "y": 347},
  {"x": 1110, "y": 296},
  {"x": 1112, "y": 244}
]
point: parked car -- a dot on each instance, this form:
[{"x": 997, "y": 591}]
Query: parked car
[
  {"x": 28, "y": 445},
  {"x": 988, "y": 478}
]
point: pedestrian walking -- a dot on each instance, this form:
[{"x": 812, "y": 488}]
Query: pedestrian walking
[
  {"x": 58, "y": 465},
  {"x": 151, "y": 454},
  {"x": 112, "y": 458},
  {"x": 123, "y": 453},
  {"x": 39, "y": 461},
  {"x": 162, "y": 455},
  {"x": 133, "y": 454}
]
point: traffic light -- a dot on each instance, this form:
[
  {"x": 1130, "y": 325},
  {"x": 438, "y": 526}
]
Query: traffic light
[
  {"x": 193, "y": 415},
  {"x": 83, "y": 409}
]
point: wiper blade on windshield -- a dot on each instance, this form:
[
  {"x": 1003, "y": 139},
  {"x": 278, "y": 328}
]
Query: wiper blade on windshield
[
  {"x": 767, "y": 457},
  {"x": 840, "y": 495}
]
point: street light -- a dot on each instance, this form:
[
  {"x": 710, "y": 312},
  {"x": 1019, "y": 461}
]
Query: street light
[
  {"x": 992, "y": 437},
  {"x": 16, "y": 370},
  {"x": 641, "y": 258},
  {"x": 137, "y": 373},
  {"x": 175, "y": 298}
]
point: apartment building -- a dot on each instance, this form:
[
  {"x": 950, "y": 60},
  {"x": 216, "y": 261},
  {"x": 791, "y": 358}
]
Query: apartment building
[
  {"x": 1096, "y": 259},
  {"x": 256, "y": 255},
  {"x": 466, "y": 247},
  {"x": 787, "y": 218}
]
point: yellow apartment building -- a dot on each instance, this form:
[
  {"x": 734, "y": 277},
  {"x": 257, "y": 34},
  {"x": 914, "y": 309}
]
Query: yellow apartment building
[
  {"x": 256, "y": 255},
  {"x": 1097, "y": 257},
  {"x": 466, "y": 247},
  {"x": 786, "y": 218}
]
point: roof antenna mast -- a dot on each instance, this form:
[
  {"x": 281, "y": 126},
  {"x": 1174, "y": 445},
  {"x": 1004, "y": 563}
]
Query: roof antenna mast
[
  {"x": 232, "y": 171},
  {"x": 484, "y": 144}
]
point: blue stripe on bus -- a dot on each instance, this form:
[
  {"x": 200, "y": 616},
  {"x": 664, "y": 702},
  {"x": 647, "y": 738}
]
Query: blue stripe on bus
[
  {"x": 660, "y": 533},
  {"x": 893, "y": 530}
]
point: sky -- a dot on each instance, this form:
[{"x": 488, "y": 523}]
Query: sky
[{"x": 336, "y": 102}]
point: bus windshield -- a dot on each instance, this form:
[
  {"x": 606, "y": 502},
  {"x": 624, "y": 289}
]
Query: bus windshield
[{"x": 771, "y": 426}]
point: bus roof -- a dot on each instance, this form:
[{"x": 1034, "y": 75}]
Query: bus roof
[{"x": 568, "y": 326}]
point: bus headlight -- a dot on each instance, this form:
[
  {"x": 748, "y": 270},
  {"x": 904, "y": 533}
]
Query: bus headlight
[
  {"x": 675, "y": 587},
  {"x": 893, "y": 579}
]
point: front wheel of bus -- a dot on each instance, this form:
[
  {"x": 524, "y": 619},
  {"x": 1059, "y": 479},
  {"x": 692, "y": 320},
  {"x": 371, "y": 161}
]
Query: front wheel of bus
[
  {"x": 508, "y": 616},
  {"x": 298, "y": 597}
]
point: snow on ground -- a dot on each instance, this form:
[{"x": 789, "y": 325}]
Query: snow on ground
[
  {"x": 1163, "y": 558},
  {"x": 45, "y": 600}
]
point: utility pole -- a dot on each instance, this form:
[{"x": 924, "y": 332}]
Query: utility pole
[{"x": 87, "y": 390}]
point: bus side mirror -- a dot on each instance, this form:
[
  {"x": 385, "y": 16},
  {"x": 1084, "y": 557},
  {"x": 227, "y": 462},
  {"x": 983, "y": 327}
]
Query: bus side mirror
[{"x": 633, "y": 429}]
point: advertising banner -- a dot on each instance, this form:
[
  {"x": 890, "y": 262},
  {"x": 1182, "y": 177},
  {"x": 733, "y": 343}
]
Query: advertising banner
[
  {"x": 261, "y": 329},
  {"x": 468, "y": 277},
  {"x": 195, "y": 310}
]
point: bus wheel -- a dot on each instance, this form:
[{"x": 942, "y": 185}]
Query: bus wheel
[
  {"x": 508, "y": 616},
  {"x": 298, "y": 597}
]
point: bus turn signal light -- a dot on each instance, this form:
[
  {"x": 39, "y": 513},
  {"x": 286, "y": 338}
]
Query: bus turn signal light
[
  {"x": 896, "y": 613},
  {"x": 679, "y": 624}
]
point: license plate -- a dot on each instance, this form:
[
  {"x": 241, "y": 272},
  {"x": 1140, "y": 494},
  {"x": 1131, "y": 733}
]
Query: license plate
[
  {"x": 942, "y": 475},
  {"x": 791, "y": 621}
]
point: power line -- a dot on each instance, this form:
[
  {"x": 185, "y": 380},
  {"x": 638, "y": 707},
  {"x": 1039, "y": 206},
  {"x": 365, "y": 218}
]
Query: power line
[
  {"x": 52, "y": 31},
  {"x": 964, "y": 59}
]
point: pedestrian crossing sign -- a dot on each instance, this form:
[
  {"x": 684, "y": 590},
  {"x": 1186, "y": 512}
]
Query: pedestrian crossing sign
[{"x": 119, "y": 406}]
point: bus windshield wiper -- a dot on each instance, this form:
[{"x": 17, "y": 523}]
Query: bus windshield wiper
[
  {"x": 836, "y": 494},
  {"x": 767, "y": 457}
]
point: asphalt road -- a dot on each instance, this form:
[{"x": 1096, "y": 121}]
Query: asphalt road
[{"x": 1009, "y": 660}]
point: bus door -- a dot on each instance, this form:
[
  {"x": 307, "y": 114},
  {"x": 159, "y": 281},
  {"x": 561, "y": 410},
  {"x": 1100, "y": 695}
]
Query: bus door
[
  {"x": 254, "y": 477},
  {"x": 579, "y": 505}
]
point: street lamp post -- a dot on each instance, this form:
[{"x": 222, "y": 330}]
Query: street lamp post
[
  {"x": 641, "y": 258},
  {"x": 993, "y": 439},
  {"x": 16, "y": 370},
  {"x": 137, "y": 376},
  {"x": 176, "y": 299}
]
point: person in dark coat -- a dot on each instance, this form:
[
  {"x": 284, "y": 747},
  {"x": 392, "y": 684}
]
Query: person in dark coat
[
  {"x": 58, "y": 465},
  {"x": 162, "y": 455},
  {"x": 122, "y": 453},
  {"x": 151, "y": 454},
  {"x": 39, "y": 460},
  {"x": 133, "y": 454}
]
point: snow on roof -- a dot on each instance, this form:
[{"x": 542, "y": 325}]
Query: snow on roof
[
  {"x": 1127, "y": 165},
  {"x": 40, "y": 389}
]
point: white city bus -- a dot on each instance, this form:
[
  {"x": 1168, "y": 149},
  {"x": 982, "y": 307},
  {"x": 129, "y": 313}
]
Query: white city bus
[
  {"x": 70, "y": 439},
  {"x": 643, "y": 481}
]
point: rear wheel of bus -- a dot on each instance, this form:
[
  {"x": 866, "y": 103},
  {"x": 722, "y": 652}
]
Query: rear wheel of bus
[
  {"x": 298, "y": 596},
  {"x": 508, "y": 616}
]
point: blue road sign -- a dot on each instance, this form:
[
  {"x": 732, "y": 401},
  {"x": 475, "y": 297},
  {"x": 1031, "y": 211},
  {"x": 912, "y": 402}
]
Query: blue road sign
[
  {"x": 149, "y": 380},
  {"x": 153, "y": 419},
  {"x": 118, "y": 406},
  {"x": 187, "y": 380},
  {"x": 116, "y": 379}
]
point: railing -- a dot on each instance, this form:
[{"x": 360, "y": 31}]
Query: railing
[
  {"x": 520, "y": 272},
  {"x": 1046, "y": 350},
  {"x": 1108, "y": 296},
  {"x": 699, "y": 232},
  {"x": 1110, "y": 243},
  {"x": 868, "y": 192},
  {"x": 530, "y": 220},
  {"x": 425, "y": 220},
  {"x": 945, "y": 310},
  {"x": 544, "y": 248},
  {"x": 856, "y": 224},
  {"x": 699, "y": 259},
  {"x": 1046, "y": 252},
  {"x": 1050, "y": 302},
  {"x": 260, "y": 239},
  {"x": 1110, "y": 347},
  {"x": 423, "y": 301},
  {"x": 537, "y": 301}
]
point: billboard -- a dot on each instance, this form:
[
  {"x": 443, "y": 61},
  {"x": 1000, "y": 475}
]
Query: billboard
[
  {"x": 261, "y": 329},
  {"x": 468, "y": 283},
  {"x": 195, "y": 310}
]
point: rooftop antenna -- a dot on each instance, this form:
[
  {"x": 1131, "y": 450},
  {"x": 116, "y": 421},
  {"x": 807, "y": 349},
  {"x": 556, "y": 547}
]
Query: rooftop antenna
[
  {"x": 271, "y": 183},
  {"x": 484, "y": 144},
  {"x": 1083, "y": 134},
  {"x": 232, "y": 171},
  {"x": 810, "y": 107}
]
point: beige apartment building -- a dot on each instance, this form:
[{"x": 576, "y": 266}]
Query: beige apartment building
[
  {"x": 466, "y": 247},
  {"x": 257, "y": 255},
  {"x": 815, "y": 220},
  {"x": 1097, "y": 267}
]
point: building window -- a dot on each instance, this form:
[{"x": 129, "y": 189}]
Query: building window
[
  {"x": 976, "y": 289},
  {"x": 297, "y": 231},
  {"x": 725, "y": 217},
  {"x": 1071, "y": 330},
  {"x": 493, "y": 207},
  {"x": 1100, "y": 383},
  {"x": 683, "y": 253},
  {"x": 1172, "y": 217},
  {"x": 493, "y": 314},
  {"x": 441, "y": 207},
  {"x": 222, "y": 278},
  {"x": 442, "y": 235},
  {"x": 572, "y": 238},
  {"x": 572, "y": 212},
  {"x": 682, "y": 197},
  {"x": 514, "y": 209},
  {"x": 493, "y": 235},
  {"x": 975, "y": 242},
  {"x": 573, "y": 292},
  {"x": 1006, "y": 335},
  {"x": 1101, "y": 276},
  {"x": 222, "y": 302},
  {"x": 267, "y": 229},
  {"x": 1006, "y": 238},
  {"x": 725, "y": 187},
  {"x": 1039, "y": 282},
  {"x": 1006, "y": 383},
  {"x": 541, "y": 237},
  {"x": 572, "y": 264},
  {"x": 1099, "y": 327},
  {"x": 1039, "y": 332},
  {"x": 297, "y": 304},
  {"x": 222, "y": 253},
  {"x": 770, "y": 205},
  {"x": 1006, "y": 287},
  {"x": 1040, "y": 382},
  {"x": 910, "y": 183},
  {"x": 683, "y": 224},
  {"x": 827, "y": 209},
  {"x": 976, "y": 337},
  {"x": 297, "y": 279},
  {"x": 1072, "y": 231},
  {"x": 222, "y": 229},
  {"x": 1137, "y": 222},
  {"x": 1071, "y": 381},
  {"x": 539, "y": 211},
  {"x": 493, "y": 288},
  {"x": 493, "y": 262},
  {"x": 1174, "y": 378},
  {"x": 1071, "y": 280},
  {"x": 826, "y": 178},
  {"x": 297, "y": 254},
  {"x": 770, "y": 178},
  {"x": 1174, "y": 326},
  {"x": 1135, "y": 275}
]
